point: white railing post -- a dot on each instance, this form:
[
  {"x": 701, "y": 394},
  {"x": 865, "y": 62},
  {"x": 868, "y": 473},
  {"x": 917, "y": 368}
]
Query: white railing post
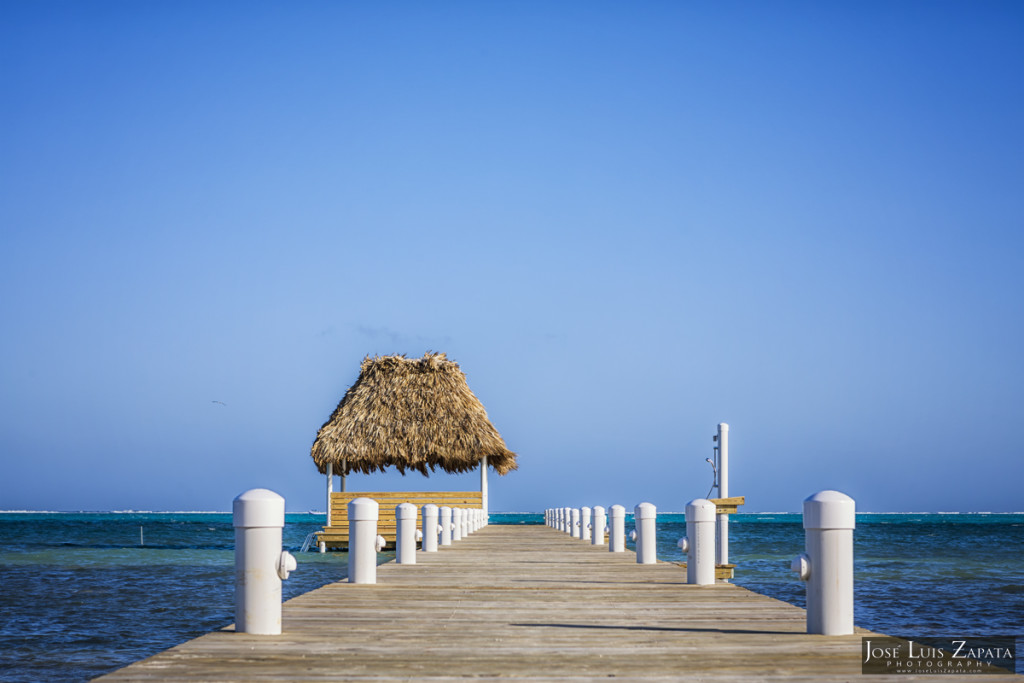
[
  {"x": 446, "y": 525},
  {"x": 645, "y": 516},
  {"x": 260, "y": 564},
  {"x": 827, "y": 566},
  {"x": 405, "y": 541},
  {"x": 362, "y": 540},
  {"x": 617, "y": 535},
  {"x": 700, "y": 535},
  {"x": 585, "y": 523},
  {"x": 429, "y": 528},
  {"x": 597, "y": 537}
]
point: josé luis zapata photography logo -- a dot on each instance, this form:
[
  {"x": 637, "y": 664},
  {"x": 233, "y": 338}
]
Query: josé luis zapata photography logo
[{"x": 928, "y": 655}]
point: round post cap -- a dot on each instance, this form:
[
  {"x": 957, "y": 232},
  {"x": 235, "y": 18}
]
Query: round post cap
[
  {"x": 829, "y": 510},
  {"x": 405, "y": 511},
  {"x": 598, "y": 510},
  {"x": 430, "y": 508},
  {"x": 617, "y": 511},
  {"x": 700, "y": 510},
  {"x": 363, "y": 510},
  {"x": 258, "y": 508},
  {"x": 645, "y": 511}
]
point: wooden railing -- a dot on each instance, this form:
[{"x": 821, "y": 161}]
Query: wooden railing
[{"x": 335, "y": 535}]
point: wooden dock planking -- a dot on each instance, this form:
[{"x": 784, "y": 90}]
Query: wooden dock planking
[{"x": 524, "y": 602}]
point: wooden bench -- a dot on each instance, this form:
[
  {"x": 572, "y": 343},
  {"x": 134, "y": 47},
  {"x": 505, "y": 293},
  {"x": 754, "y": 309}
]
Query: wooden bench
[{"x": 335, "y": 535}]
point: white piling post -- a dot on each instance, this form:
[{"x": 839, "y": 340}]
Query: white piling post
[
  {"x": 446, "y": 525},
  {"x": 429, "y": 513},
  {"x": 405, "y": 543},
  {"x": 260, "y": 564},
  {"x": 567, "y": 520},
  {"x": 456, "y": 524},
  {"x": 597, "y": 537},
  {"x": 700, "y": 534},
  {"x": 827, "y": 566},
  {"x": 585, "y": 523},
  {"x": 617, "y": 535},
  {"x": 645, "y": 515},
  {"x": 362, "y": 540},
  {"x": 574, "y": 517}
]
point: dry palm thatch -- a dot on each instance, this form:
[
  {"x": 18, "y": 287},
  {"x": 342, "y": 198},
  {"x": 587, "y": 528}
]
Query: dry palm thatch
[{"x": 412, "y": 414}]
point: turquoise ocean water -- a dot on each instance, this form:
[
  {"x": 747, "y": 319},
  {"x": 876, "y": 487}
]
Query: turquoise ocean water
[{"x": 80, "y": 595}]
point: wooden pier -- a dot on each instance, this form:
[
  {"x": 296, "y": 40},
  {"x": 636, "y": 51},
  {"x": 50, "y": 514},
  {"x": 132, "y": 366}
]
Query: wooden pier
[{"x": 527, "y": 603}]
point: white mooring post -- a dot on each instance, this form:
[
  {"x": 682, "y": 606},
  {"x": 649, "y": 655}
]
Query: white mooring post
[
  {"x": 700, "y": 537},
  {"x": 456, "y": 524},
  {"x": 260, "y": 564},
  {"x": 585, "y": 523},
  {"x": 446, "y": 525},
  {"x": 362, "y": 540},
  {"x": 429, "y": 528},
  {"x": 574, "y": 516},
  {"x": 567, "y": 517},
  {"x": 827, "y": 566},
  {"x": 405, "y": 541},
  {"x": 645, "y": 516},
  {"x": 597, "y": 538},
  {"x": 617, "y": 535}
]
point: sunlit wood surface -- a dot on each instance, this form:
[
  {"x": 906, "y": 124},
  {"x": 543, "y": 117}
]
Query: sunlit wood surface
[{"x": 523, "y": 602}]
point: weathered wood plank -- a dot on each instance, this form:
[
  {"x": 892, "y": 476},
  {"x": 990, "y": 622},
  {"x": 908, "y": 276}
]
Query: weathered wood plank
[{"x": 528, "y": 603}]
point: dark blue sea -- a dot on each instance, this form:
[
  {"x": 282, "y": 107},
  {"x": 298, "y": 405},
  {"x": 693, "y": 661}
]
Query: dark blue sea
[{"x": 82, "y": 594}]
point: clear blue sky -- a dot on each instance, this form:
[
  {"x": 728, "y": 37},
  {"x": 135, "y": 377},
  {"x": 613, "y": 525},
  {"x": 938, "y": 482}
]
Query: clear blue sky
[{"x": 626, "y": 221}]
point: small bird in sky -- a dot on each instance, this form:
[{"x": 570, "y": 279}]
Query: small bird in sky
[{"x": 220, "y": 402}]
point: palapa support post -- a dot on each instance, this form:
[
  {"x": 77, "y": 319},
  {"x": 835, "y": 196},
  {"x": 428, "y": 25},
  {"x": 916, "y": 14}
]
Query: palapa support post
[{"x": 330, "y": 490}]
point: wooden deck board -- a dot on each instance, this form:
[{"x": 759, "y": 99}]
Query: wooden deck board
[{"x": 526, "y": 603}]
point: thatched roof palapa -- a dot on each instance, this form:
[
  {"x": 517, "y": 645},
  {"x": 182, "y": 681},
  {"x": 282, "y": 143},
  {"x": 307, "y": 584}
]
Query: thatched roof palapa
[{"x": 411, "y": 414}]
